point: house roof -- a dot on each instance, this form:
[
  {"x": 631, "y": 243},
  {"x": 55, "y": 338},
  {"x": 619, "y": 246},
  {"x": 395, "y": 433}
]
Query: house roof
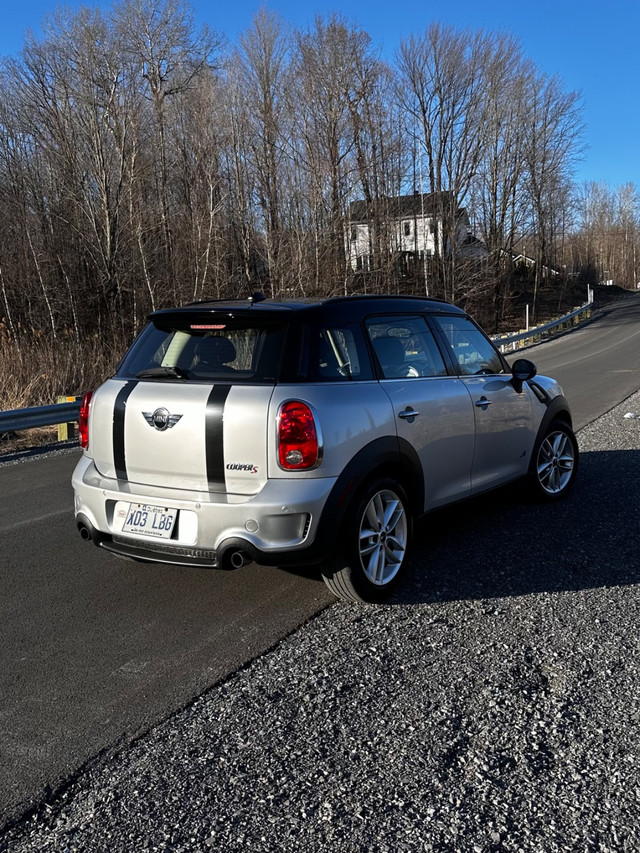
[{"x": 403, "y": 206}]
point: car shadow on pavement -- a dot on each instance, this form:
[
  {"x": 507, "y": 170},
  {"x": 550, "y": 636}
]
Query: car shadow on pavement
[{"x": 505, "y": 544}]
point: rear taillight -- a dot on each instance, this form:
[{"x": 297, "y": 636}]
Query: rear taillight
[
  {"x": 83, "y": 421},
  {"x": 299, "y": 445}
]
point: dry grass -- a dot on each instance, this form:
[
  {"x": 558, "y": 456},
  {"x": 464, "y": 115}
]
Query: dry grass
[
  {"x": 37, "y": 369},
  {"x": 14, "y": 442}
]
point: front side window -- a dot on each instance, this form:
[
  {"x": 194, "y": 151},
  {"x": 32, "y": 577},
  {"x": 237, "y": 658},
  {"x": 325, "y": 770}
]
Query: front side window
[
  {"x": 472, "y": 351},
  {"x": 405, "y": 347}
]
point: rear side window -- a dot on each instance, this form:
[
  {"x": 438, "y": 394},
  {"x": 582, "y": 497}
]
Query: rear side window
[
  {"x": 338, "y": 353},
  {"x": 472, "y": 351},
  {"x": 229, "y": 351}
]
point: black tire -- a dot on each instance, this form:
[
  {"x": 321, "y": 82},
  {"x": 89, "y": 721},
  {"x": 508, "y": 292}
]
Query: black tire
[
  {"x": 371, "y": 557},
  {"x": 555, "y": 464}
]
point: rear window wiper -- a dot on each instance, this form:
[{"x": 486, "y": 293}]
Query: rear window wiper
[{"x": 163, "y": 372}]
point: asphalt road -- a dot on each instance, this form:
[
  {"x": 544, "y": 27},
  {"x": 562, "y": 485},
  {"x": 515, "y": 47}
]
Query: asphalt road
[
  {"x": 95, "y": 650},
  {"x": 598, "y": 365}
]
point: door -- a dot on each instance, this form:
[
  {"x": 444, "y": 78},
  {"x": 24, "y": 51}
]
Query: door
[
  {"x": 503, "y": 417},
  {"x": 432, "y": 409}
]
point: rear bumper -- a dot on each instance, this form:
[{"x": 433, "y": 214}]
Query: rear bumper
[{"x": 276, "y": 526}]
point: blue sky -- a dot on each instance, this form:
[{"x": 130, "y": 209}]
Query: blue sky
[{"x": 593, "y": 46}]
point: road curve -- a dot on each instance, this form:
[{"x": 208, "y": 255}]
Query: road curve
[{"x": 598, "y": 364}]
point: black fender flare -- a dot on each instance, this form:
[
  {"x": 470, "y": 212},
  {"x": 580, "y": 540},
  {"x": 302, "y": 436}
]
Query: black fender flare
[
  {"x": 388, "y": 455},
  {"x": 392, "y": 455},
  {"x": 558, "y": 409}
]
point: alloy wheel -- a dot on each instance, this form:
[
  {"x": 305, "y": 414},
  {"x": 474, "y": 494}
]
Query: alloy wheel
[
  {"x": 383, "y": 537},
  {"x": 556, "y": 461}
]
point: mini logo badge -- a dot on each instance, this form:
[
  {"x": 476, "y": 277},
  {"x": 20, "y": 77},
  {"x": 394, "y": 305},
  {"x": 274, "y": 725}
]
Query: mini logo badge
[{"x": 161, "y": 419}]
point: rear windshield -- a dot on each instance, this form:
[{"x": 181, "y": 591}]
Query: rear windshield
[{"x": 229, "y": 351}]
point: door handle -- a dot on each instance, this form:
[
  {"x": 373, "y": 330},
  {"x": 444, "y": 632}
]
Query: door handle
[
  {"x": 482, "y": 403},
  {"x": 408, "y": 414}
]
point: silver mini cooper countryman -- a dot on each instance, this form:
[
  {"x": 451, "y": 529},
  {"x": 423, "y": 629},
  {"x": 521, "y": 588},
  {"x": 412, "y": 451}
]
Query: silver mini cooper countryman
[{"x": 309, "y": 432}]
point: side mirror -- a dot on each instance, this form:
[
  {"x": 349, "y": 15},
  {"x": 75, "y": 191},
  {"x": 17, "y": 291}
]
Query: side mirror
[{"x": 521, "y": 371}]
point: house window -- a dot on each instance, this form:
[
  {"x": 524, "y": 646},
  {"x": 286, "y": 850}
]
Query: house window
[
  {"x": 407, "y": 229},
  {"x": 354, "y": 233}
]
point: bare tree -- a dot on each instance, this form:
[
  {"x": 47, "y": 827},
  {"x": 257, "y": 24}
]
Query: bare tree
[
  {"x": 324, "y": 68},
  {"x": 442, "y": 86},
  {"x": 141, "y": 165},
  {"x": 606, "y": 242},
  {"x": 498, "y": 197},
  {"x": 159, "y": 36},
  {"x": 261, "y": 71},
  {"x": 553, "y": 127}
]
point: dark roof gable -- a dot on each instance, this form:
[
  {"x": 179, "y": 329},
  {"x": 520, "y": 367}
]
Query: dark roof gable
[{"x": 402, "y": 206}]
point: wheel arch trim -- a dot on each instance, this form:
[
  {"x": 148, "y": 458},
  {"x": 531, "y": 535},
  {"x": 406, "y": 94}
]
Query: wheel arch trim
[
  {"x": 558, "y": 410},
  {"x": 389, "y": 456}
]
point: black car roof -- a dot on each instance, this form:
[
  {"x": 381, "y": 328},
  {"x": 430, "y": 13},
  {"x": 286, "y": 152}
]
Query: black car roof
[{"x": 342, "y": 307}]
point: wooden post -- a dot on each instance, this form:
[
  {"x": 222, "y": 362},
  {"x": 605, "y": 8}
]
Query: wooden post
[{"x": 66, "y": 432}]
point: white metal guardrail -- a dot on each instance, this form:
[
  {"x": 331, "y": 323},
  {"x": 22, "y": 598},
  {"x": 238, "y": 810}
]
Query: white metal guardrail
[{"x": 528, "y": 337}]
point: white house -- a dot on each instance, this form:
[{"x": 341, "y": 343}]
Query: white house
[
  {"x": 412, "y": 225},
  {"x": 524, "y": 260}
]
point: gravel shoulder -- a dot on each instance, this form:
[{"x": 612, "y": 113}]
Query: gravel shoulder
[{"x": 492, "y": 707}]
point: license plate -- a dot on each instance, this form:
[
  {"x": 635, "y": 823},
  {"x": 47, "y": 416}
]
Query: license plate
[{"x": 149, "y": 520}]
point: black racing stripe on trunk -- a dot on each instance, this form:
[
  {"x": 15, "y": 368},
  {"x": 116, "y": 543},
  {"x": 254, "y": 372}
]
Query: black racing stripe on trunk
[
  {"x": 214, "y": 443},
  {"x": 119, "y": 410}
]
